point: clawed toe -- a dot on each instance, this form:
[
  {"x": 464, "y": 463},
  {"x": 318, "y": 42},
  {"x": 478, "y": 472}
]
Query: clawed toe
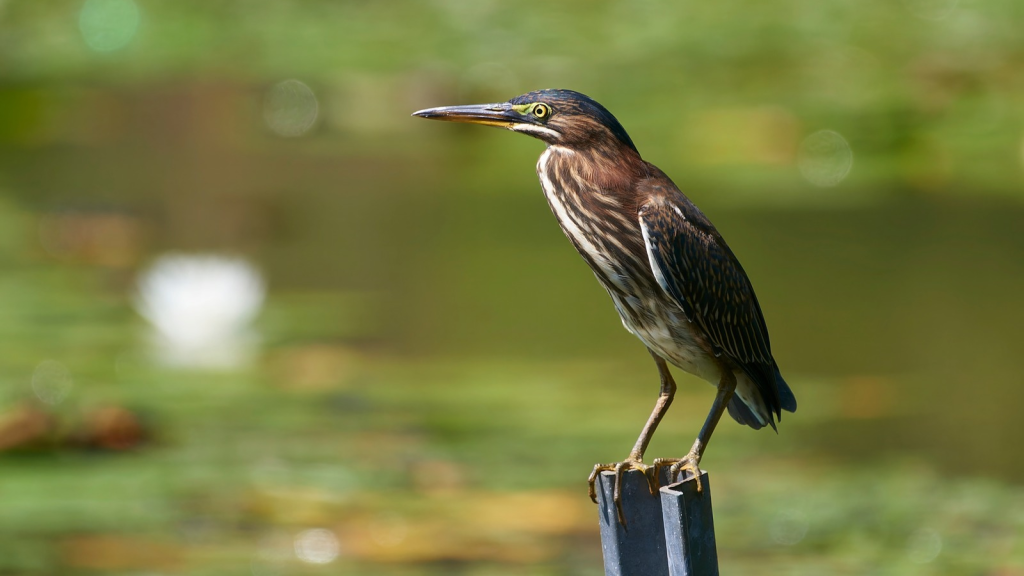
[
  {"x": 619, "y": 468},
  {"x": 677, "y": 465}
]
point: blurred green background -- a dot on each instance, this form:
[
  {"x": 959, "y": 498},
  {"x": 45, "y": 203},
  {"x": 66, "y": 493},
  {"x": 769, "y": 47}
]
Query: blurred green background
[{"x": 258, "y": 320}]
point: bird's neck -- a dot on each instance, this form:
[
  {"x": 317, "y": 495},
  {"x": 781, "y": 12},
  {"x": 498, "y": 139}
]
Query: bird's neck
[
  {"x": 594, "y": 195},
  {"x": 606, "y": 170}
]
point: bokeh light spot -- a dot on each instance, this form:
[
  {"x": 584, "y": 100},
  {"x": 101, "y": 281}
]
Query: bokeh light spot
[
  {"x": 924, "y": 546},
  {"x": 51, "y": 382},
  {"x": 201, "y": 308},
  {"x": 107, "y": 25},
  {"x": 317, "y": 546},
  {"x": 290, "y": 108},
  {"x": 825, "y": 158}
]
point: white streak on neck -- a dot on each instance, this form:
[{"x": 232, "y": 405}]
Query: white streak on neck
[
  {"x": 534, "y": 129},
  {"x": 573, "y": 230}
]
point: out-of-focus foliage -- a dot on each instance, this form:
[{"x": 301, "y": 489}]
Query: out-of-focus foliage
[
  {"x": 258, "y": 320},
  {"x": 927, "y": 92}
]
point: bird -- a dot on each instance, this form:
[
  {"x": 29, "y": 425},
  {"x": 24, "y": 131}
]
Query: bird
[{"x": 675, "y": 283}]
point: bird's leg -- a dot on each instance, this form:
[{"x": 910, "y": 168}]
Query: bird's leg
[
  {"x": 726, "y": 388},
  {"x": 668, "y": 391},
  {"x": 635, "y": 459}
]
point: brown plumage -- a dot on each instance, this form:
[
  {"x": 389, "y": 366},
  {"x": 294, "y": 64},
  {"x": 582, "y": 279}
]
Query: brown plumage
[{"x": 674, "y": 281}]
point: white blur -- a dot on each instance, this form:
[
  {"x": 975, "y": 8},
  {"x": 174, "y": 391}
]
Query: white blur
[
  {"x": 317, "y": 546},
  {"x": 201, "y": 309}
]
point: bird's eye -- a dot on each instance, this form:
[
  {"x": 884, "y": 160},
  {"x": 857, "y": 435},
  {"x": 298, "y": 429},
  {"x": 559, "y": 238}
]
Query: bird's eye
[{"x": 541, "y": 111}]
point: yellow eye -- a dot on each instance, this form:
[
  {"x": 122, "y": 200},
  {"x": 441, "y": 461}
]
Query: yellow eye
[{"x": 541, "y": 111}]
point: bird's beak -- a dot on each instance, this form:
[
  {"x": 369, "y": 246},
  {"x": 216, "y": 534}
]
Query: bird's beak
[{"x": 501, "y": 115}]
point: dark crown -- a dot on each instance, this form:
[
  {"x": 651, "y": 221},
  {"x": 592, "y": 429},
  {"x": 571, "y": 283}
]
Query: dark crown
[{"x": 570, "y": 102}]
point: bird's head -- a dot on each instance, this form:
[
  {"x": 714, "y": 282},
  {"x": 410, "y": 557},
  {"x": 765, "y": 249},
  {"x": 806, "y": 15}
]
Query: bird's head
[{"x": 561, "y": 117}]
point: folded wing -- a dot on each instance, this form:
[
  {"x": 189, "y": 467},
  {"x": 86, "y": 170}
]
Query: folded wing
[{"x": 693, "y": 264}]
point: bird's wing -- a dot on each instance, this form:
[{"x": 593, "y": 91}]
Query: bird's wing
[{"x": 693, "y": 264}]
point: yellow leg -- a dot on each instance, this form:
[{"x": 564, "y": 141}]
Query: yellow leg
[
  {"x": 635, "y": 459},
  {"x": 691, "y": 462}
]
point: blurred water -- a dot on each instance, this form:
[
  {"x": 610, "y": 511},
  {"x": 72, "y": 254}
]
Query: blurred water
[{"x": 906, "y": 306}]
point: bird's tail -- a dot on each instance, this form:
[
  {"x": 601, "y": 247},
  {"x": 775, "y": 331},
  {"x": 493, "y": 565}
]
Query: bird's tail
[
  {"x": 786, "y": 398},
  {"x": 747, "y": 407}
]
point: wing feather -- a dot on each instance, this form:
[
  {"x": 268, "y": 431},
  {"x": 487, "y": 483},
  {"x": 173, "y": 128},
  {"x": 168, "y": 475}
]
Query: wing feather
[{"x": 693, "y": 264}]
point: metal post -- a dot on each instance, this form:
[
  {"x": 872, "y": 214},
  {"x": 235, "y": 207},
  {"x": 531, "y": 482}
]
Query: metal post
[
  {"x": 638, "y": 549},
  {"x": 669, "y": 534},
  {"x": 689, "y": 528}
]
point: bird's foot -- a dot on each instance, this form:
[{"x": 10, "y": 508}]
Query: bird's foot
[
  {"x": 630, "y": 463},
  {"x": 677, "y": 465}
]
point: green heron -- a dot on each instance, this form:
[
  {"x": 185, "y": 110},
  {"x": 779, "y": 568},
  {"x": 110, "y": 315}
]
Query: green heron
[{"x": 674, "y": 281}]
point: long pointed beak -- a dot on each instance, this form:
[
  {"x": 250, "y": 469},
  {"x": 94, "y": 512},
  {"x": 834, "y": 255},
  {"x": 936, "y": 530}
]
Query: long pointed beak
[{"x": 501, "y": 115}]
